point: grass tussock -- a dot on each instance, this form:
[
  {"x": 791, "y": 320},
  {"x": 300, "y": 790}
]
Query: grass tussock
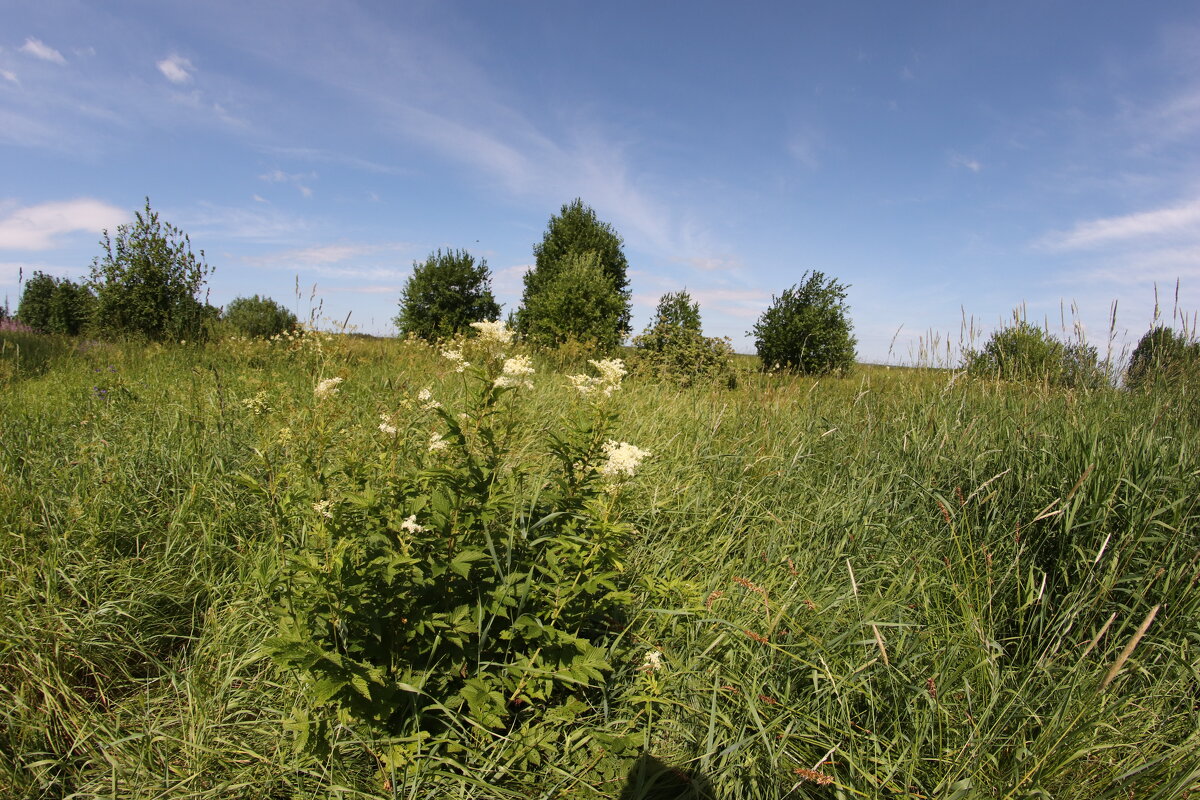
[{"x": 905, "y": 583}]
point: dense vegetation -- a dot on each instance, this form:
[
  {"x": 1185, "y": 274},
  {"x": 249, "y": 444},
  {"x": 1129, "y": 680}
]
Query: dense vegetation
[{"x": 908, "y": 583}]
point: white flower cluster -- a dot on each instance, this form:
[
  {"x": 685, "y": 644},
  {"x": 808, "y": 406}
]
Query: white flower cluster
[
  {"x": 425, "y": 398},
  {"x": 437, "y": 443},
  {"x": 259, "y": 404},
  {"x": 653, "y": 662},
  {"x": 611, "y": 370},
  {"x": 456, "y": 357},
  {"x": 623, "y": 459},
  {"x": 514, "y": 372},
  {"x": 386, "y": 425},
  {"x": 322, "y": 508},
  {"x": 493, "y": 332},
  {"x": 411, "y": 525},
  {"x": 327, "y": 387}
]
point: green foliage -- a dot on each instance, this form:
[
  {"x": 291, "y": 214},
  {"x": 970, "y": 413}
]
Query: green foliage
[
  {"x": 54, "y": 305},
  {"x": 673, "y": 348},
  {"x": 807, "y": 328},
  {"x": 148, "y": 282},
  {"x": 1164, "y": 356},
  {"x": 1022, "y": 351},
  {"x": 576, "y": 303},
  {"x": 258, "y": 317},
  {"x": 446, "y": 588},
  {"x": 569, "y": 237},
  {"x": 445, "y": 295}
]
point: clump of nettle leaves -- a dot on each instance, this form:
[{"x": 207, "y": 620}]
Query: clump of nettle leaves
[{"x": 452, "y": 588}]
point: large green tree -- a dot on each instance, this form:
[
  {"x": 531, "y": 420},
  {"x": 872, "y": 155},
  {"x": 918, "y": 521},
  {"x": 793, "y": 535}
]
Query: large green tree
[
  {"x": 445, "y": 294},
  {"x": 578, "y": 303},
  {"x": 571, "y": 234},
  {"x": 148, "y": 282},
  {"x": 807, "y": 328}
]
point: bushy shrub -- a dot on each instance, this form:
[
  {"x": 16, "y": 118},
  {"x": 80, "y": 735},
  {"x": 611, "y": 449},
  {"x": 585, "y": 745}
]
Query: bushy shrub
[
  {"x": 1022, "y": 351},
  {"x": 258, "y": 317},
  {"x": 807, "y": 328},
  {"x": 148, "y": 282},
  {"x": 55, "y": 305},
  {"x": 575, "y": 235},
  {"x": 579, "y": 302},
  {"x": 673, "y": 348},
  {"x": 447, "y": 589},
  {"x": 445, "y": 294},
  {"x": 1163, "y": 355}
]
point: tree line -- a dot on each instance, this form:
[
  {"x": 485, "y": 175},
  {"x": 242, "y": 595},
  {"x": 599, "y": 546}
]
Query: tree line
[{"x": 148, "y": 284}]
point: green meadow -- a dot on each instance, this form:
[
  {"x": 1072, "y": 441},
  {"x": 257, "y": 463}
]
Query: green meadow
[{"x": 898, "y": 583}]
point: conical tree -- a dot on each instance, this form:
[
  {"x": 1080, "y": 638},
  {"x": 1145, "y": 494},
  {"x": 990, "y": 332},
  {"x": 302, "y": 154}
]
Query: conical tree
[{"x": 572, "y": 234}]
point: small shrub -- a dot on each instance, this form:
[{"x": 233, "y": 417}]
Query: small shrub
[
  {"x": 1022, "y": 351},
  {"x": 1162, "y": 355},
  {"x": 54, "y": 305},
  {"x": 673, "y": 348},
  {"x": 444, "y": 295},
  {"x": 807, "y": 328},
  {"x": 447, "y": 587},
  {"x": 258, "y": 317}
]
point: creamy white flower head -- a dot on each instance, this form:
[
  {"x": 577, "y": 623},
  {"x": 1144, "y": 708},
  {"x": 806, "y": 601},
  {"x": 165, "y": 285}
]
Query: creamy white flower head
[
  {"x": 386, "y": 425},
  {"x": 322, "y": 508},
  {"x": 456, "y": 357},
  {"x": 583, "y": 383},
  {"x": 514, "y": 372},
  {"x": 496, "y": 332},
  {"x": 411, "y": 525},
  {"x": 623, "y": 459},
  {"x": 653, "y": 661},
  {"x": 327, "y": 387},
  {"x": 437, "y": 443},
  {"x": 425, "y": 398},
  {"x": 611, "y": 369}
]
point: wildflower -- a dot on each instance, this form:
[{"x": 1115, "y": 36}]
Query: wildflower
[
  {"x": 386, "y": 425},
  {"x": 437, "y": 443},
  {"x": 425, "y": 398},
  {"x": 623, "y": 459},
  {"x": 514, "y": 372},
  {"x": 496, "y": 332},
  {"x": 258, "y": 404},
  {"x": 653, "y": 661},
  {"x": 456, "y": 357},
  {"x": 285, "y": 436},
  {"x": 411, "y": 525},
  {"x": 611, "y": 370},
  {"x": 327, "y": 387},
  {"x": 322, "y": 508}
]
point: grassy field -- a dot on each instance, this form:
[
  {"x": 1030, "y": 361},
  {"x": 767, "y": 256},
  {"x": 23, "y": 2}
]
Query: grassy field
[{"x": 903, "y": 583}]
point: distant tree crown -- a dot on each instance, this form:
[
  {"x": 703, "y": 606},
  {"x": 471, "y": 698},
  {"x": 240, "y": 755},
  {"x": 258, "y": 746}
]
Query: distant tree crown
[{"x": 445, "y": 294}]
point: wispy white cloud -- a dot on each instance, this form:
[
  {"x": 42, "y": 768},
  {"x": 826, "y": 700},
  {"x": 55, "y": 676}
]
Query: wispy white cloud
[
  {"x": 299, "y": 180},
  {"x": 38, "y": 227},
  {"x": 1173, "y": 221},
  {"x": 39, "y": 49},
  {"x": 712, "y": 263},
  {"x": 176, "y": 69},
  {"x": 9, "y": 76},
  {"x": 256, "y": 224},
  {"x": 318, "y": 255},
  {"x": 959, "y": 160}
]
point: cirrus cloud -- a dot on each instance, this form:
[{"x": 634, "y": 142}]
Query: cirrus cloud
[{"x": 39, "y": 49}]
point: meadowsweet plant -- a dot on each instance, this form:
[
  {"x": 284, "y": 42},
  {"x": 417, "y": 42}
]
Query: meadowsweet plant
[{"x": 445, "y": 595}]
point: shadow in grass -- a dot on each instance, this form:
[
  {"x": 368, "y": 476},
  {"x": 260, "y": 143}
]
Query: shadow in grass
[{"x": 651, "y": 779}]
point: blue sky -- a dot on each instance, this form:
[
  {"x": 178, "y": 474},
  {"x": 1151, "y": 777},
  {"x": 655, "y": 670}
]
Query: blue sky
[{"x": 945, "y": 159}]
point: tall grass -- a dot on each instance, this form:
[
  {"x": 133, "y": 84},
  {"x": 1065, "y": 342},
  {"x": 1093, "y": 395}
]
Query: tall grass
[{"x": 902, "y": 583}]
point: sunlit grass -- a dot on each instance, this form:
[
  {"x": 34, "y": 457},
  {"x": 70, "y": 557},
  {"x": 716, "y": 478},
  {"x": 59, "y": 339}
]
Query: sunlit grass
[{"x": 905, "y": 581}]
